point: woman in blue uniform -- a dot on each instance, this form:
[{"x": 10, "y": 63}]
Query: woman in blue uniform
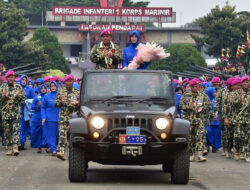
[
  {"x": 50, "y": 117},
  {"x": 131, "y": 51},
  {"x": 37, "y": 132},
  {"x": 213, "y": 130},
  {"x": 25, "y": 119}
]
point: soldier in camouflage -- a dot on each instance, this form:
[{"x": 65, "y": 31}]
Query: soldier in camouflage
[
  {"x": 244, "y": 115},
  {"x": 1, "y": 127},
  {"x": 221, "y": 94},
  {"x": 67, "y": 99},
  {"x": 240, "y": 101},
  {"x": 241, "y": 69},
  {"x": 194, "y": 106},
  {"x": 106, "y": 55},
  {"x": 225, "y": 115},
  {"x": 11, "y": 96},
  {"x": 236, "y": 133},
  {"x": 201, "y": 88}
]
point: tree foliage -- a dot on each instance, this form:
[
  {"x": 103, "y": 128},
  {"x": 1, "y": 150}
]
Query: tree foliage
[
  {"x": 54, "y": 72},
  {"x": 222, "y": 28},
  {"x": 13, "y": 29},
  {"x": 194, "y": 24},
  {"x": 52, "y": 48},
  {"x": 33, "y": 9},
  {"x": 181, "y": 57}
]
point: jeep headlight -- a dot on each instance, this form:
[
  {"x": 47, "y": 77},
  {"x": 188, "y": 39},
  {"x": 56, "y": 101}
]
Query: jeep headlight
[
  {"x": 97, "y": 122},
  {"x": 162, "y": 123}
]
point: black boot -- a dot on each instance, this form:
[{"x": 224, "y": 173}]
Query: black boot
[{"x": 20, "y": 148}]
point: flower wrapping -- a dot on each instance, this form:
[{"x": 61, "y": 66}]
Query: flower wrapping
[{"x": 148, "y": 52}]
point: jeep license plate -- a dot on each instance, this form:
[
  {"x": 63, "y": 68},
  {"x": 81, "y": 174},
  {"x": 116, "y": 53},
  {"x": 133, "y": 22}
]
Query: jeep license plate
[
  {"x": 132, "y": 139},
  {"x": 133, "y": 130}
]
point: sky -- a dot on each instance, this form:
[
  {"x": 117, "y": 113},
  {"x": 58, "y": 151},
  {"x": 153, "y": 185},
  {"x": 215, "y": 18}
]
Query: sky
[{"x": 188, "y": 10}]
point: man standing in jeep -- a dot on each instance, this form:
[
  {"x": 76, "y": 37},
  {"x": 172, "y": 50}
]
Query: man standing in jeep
[{"x": 106, "y": 55}]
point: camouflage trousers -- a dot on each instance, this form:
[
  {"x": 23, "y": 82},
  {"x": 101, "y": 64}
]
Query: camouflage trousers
[
  {"x": 11, "y": 132},
  {"x": 224, "y": 135},
  {"x": 62, "y": 140},
  {"x": 246, "y": 143},
  {"x": 197, "y": 136},
  {"x": 239, "y": 137},
  {"x": 229, "y": 137}
]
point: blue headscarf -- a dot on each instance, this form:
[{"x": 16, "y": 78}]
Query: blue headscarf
[
  {"x": 41, "y": 89},
  {"x": 209, "y": 84},
  {"x": 134, "y": 45},
  {"x": 39, "y": 80},
  {"x": 33, "y": 83},
  {"x": 21, "y": 78},
  {"x": 203, "y": 84},
  {"x": 210, "y": 92},
  {"x": 55, "y": 85},
  {"x": 61, "y": 83},
  {"x": 76, "y": 86}
]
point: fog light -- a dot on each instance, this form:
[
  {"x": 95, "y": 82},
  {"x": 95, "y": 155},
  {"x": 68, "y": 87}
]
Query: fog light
[
  {"x": 164, "y": 135},
  {"x": 96, "y": 135}
]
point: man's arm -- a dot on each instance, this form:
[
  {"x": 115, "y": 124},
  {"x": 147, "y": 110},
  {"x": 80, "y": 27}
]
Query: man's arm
[
  {"x": 95, "y": 57},
  {"x": 117, "y": 57}
]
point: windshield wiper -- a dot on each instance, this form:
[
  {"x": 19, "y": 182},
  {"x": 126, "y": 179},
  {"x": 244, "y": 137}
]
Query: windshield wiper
[
  {"x": 152, "y": 99},
  {"x": 115, "y": 98}
]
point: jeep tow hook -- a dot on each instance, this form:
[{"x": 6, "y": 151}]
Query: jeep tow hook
[{"x": 132, "y": 150}]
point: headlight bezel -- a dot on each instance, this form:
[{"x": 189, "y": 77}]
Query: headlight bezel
[
  {"x": 162, "y": 123},
  {"x": 97, "y": 120}
]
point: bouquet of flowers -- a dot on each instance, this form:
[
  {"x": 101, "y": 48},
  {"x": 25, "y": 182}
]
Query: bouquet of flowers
[{"x": 148, "y": 52}]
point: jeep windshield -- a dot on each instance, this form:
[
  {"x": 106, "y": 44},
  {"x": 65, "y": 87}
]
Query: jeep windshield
[{"x": 128, "y": 85}]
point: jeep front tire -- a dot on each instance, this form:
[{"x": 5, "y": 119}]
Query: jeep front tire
[
  {"x": 77, "y": 163},
  {"x": 180, "y": 169}
]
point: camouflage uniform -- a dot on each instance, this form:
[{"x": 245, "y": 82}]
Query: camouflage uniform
[
  {"x": 206, "y": 116},
  {"x": 96, "y": 57},
  {"x": 196, "y": 119},
  {"x": 220, "y": 105},
  {"x": 11, "y": 112},
  {"x": 66, "y": 111},
  {"x": 1, "y": 124},
  {"x": 241, "y": 71},
  {"x": 241, "y": 119},
  {"x": 229, "y": 111}
]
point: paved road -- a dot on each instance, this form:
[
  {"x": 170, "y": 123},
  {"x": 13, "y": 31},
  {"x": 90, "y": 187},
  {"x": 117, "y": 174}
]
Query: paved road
[{"x": 43, "y": 172}]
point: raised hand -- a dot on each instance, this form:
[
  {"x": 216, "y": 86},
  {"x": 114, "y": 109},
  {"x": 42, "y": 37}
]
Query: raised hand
[
  {"x": 62, "y": 98},
  {"x": 43, "y": 121},
  {"x": 6, "y": 92},
  {"x": 191, "y": 105}
]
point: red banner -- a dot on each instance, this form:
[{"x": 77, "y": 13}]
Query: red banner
[
  {"x": 111, "y": 3},
  {"x": 114, "y": 27},
  {"x": 109, "y": 11}
]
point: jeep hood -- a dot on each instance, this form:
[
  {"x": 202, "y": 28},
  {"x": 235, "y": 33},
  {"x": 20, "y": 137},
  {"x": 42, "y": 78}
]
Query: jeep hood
[{"x": 125, "y": 108}]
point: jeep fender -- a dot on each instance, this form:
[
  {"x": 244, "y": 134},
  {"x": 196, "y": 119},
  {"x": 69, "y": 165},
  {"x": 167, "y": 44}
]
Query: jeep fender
[
  {"x": 78, "y": 126},
  {"x": 181, "y": 127}
]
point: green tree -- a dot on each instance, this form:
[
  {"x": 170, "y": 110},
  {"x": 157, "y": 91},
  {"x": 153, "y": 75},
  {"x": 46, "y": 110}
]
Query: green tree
[
  {"x": 54, "y": 72},
  {"x": 13, "y": 29},
  {"x": 194, "y": 24},
  {"x": 52, "y": 48},
  {"x": 222, "y": 28},
  {"x": 34, "y": 9},
  {"x": 181, "y": 57}
]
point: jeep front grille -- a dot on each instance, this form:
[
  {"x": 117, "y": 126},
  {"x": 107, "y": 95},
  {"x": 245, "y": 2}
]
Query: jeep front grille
[{"x": 126, "y": 122}]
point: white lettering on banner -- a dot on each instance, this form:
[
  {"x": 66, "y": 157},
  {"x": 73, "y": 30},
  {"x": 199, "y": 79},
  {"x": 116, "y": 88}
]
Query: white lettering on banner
[
  {"x": 99, "y": 27},
  {"x": 88, "y": 11},
  {"x": 126, "y": 11},
  {"x": 71, "y": 11},
  {"x": 132, "y": 12},
  {"x": 155, "y": 12}
]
